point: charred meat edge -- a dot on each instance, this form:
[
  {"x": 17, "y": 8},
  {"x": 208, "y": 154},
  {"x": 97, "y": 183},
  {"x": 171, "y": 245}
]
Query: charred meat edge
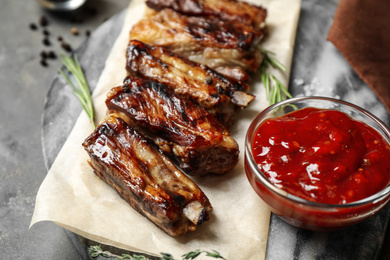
[
  {"x": 146, "y": 178},
  {"x": 231, "y": 10},
  {"x": 208, "y": 40},
  {"x": 180, "y": 128},
  {"x": 219, "y": 95}
]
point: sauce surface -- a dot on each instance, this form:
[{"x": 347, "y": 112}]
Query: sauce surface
[{"x": 322, "y": 155}]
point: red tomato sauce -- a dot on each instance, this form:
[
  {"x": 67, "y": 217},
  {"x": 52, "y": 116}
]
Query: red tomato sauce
[{"x": 322, "y": 155}]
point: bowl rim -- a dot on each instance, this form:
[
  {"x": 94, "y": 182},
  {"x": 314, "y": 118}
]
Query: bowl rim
[{"x": 249, "y": 158}]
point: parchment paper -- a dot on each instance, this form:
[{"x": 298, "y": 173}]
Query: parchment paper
[{"x": 73, "y": 197}]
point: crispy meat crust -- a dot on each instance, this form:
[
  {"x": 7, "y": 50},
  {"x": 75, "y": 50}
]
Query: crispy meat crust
[
  {"x": 207, "y": 40},
  {"x": 173, "y": 108},
  {"x": 230, "y": 10},
  {"x": 182, "y": 129},
  {"x": 200, "y": 84},
  {"x": 146, "y": 178}
]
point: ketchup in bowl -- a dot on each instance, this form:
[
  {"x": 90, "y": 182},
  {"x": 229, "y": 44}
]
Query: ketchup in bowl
[
  {"x": 315, "y": 165},
  {"x": 322, "y": 155}
]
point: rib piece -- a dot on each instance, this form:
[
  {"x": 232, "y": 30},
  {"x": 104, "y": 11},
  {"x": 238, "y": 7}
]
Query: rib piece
[
  {"x": 146, "y": 178},
  {"x": 207, "y": 40},
  {"x": 230, "y": 10},
  {"x": 182, "y": 129},
  {"x": 235, "y": 73},
  {"x": 220, "y": 96}
]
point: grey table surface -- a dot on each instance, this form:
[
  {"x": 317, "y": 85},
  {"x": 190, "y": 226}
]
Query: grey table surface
[{"x": 25, "y": 84}]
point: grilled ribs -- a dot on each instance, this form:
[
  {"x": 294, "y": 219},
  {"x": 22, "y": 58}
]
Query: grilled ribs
[
  {"x": 180, "y": 128},
  {"x": 219, "y": 95},
  {"x": 146, "y": 178},
  {"x": 207, "y": 40},
  {"x": 230, "y": 10}
]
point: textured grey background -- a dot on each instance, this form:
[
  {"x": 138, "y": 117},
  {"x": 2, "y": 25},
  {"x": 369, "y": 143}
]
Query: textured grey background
[
  {"x": 317, "y": 70},
  {"x": 24, "y": 85}
]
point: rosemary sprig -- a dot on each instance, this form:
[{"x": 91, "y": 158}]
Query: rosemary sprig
[
  {"x": 274, "y": 89},
  {"x": 95, "y": 251},
  {"x": 198, "y": 252},
  {"x": 82, "y": 92}
]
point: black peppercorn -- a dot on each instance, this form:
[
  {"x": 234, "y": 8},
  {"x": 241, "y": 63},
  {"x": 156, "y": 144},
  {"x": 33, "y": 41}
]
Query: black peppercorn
[
  {"x": 33, "y": 26},
  {"x": 43, "y": 55},
  {"x": 52, "y": 55},
  {"x": 43, "y": 21},
  {"x": 46, "y": 41},
  {"x": 44, "y": 63},
  {"x": 66, "y": 47}
]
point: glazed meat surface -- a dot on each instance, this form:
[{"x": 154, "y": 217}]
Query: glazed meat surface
[
  {"x": 207, "y": 40},
  {"x": 180, "y": 128},
  {"x": 230, "y": 10},
  {"x": 235, "y": 73},
  {"x": 221, "y": 96},
  {"x": 146, "y": 178}
]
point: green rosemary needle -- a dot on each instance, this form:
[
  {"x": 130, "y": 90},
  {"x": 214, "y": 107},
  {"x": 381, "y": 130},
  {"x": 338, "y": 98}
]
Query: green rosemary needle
[
  {"x": 82, "y": 92},
  {"x": 274, "y": 89},
  {"x": 95, "y": 251}
]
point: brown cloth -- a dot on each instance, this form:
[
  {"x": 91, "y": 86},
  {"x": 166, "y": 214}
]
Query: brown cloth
[{"x": 361, "y": 32}]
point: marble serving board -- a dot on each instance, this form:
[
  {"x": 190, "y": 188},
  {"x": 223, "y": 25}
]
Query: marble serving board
[{"x": 317, "y": 69}]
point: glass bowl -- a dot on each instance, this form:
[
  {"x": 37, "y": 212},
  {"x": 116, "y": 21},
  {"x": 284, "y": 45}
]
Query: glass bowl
[
  {"x": 301, "y": 212},
  {"x": 61, "y": 5}
]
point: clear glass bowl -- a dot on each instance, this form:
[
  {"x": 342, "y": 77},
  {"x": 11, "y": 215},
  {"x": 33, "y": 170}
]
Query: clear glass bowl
[
  {"x": 300, "y": 212},
  {"x": 61, "y": 5}
]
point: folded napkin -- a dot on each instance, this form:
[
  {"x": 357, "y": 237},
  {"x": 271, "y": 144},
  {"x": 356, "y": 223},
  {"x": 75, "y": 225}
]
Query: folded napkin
[{"x": 361, "y": 32}]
